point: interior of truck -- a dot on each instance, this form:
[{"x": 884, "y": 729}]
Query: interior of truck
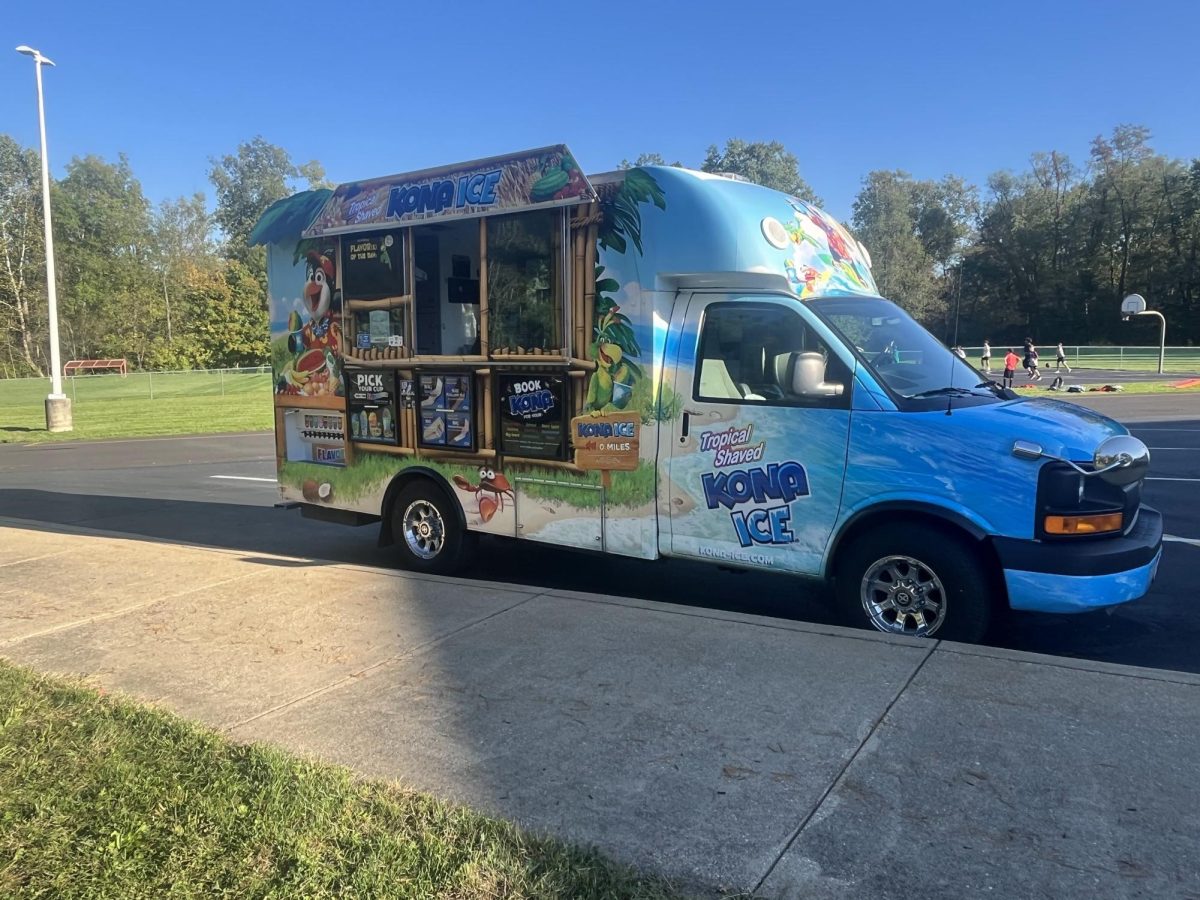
[{"x": 764, "y": 354}]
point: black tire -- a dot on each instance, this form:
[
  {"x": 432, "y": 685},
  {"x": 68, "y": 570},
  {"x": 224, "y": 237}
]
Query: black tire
[
  {"x": 957, "y": 604},
  {"x": 442, "y": 546}
]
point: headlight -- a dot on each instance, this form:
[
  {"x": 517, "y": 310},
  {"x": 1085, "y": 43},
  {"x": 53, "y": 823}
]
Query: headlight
[{"x": 1070, "y": 506}]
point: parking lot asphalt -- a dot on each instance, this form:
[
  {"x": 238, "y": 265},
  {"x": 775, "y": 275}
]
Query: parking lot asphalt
[{"x": 219, "y": 490}]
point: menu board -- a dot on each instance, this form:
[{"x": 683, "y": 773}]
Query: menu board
[
  {"x": 447, "y": 410},
  {"x": 373, "y": 266},
  {"x": 532, "y": 415},
  {"x": 371, "y": 401}
]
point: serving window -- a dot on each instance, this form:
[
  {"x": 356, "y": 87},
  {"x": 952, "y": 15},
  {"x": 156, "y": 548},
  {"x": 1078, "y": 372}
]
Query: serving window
[
  {"x": 525, "y": 283},
  {"x": 446, "y": 288},
  {"x": 470, "y": 317}
]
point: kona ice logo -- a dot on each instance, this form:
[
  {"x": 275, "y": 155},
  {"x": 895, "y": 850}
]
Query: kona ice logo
[
  {"x": 783, "y": 482},
  {"x": 530, "y": 398},
  {"x": 435, "y": 196}
]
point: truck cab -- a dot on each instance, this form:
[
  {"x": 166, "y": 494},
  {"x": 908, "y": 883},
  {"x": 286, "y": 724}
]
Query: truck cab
[
  {"x": 663, "y": 363},
  {"x": 837, "y": 439}
]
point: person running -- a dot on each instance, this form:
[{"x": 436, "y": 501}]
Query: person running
[
  {"x": 1031, "y": 361},
  {"x": 1010, "y": 368},
  {"x": 985, "y": 358},
  {"x": 1061, "y": 362}
]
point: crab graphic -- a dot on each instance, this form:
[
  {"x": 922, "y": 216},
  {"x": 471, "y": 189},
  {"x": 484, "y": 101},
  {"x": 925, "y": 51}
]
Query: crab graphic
[{"x": 489, "y": 493}]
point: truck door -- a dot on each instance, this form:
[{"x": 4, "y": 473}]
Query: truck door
[{"x": 759, "y": 454}]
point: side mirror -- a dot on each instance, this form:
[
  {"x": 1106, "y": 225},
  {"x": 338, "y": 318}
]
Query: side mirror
[{"x": 808, "y": 377}]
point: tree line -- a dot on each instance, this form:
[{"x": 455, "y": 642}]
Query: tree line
[
  {"x": 1046, "y": 252},
  {"x": 152, "y": 284}
]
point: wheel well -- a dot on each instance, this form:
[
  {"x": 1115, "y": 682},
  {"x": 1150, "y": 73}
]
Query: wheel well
[
  {"x": 943, "y": 522},
  {"x": 402, "y": 480}
]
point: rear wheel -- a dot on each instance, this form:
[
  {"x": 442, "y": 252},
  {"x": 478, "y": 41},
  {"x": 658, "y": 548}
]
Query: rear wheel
[
  {"x": 916, "y": 581},
  {"x": 425, "y": 528}
]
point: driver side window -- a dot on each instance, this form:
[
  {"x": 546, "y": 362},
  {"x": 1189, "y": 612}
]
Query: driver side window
[{"x": 764, "y": 354}]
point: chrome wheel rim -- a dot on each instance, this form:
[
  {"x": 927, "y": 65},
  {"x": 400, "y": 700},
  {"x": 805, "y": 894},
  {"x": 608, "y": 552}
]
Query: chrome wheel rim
[
  {"x": 902, "y": 595},
  {"x": 424, "y": 530}
]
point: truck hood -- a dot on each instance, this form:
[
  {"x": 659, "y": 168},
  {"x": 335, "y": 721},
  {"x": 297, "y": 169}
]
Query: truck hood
[{"x": 1062, "y": 429}]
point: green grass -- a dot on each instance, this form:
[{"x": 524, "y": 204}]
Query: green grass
[
  {"x": 139, "y": 405},
  {"x": 630, "y": 489},
  {"x": 102, "y": 797}
]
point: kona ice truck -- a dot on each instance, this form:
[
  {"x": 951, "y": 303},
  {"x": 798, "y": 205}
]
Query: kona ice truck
[{"x": 666, "y": 363}]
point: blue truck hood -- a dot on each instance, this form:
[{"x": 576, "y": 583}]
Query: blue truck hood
[
  {"x": 964, "y": 460},
  {"x": 1061, "y": 428}
]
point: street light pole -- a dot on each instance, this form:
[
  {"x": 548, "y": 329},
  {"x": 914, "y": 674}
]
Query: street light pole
[{"x": 58, "y": 405}]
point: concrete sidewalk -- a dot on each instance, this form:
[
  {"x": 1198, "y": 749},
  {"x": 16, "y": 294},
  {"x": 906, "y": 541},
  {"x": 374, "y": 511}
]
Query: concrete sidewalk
[{"x": 732, "y": 752}]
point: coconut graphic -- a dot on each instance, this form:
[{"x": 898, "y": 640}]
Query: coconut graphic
[
  {"x": 310, "y": 490},
  {"x": 325, "y": 492}
]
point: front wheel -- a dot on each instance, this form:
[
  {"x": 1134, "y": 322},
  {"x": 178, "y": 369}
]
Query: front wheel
[
  {"x": 916, "y": 581},
  {"x": 425, "y": 528}
]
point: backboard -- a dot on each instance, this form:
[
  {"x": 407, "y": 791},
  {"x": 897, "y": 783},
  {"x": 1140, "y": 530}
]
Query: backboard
[{"x": 1133, "y": 305}]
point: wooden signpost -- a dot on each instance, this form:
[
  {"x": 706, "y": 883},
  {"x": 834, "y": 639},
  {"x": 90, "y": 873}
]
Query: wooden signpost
[{"x": 606, "y": 443}]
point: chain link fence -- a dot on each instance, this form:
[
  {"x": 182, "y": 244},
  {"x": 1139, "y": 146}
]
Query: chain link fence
[{"x": 1178, "y": 360}]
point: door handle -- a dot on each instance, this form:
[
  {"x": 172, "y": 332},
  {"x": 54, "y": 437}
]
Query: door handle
[{"x": 684, "y": 426}]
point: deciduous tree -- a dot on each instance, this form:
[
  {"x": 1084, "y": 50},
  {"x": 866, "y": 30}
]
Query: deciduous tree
[
  {"x": 102, "y": 235},
  {"x": 249, "y": 181},
  {"x": 22, "y": 261},
  {"x": 766, "y": 163},
  {"x": 886, "y": 221}
]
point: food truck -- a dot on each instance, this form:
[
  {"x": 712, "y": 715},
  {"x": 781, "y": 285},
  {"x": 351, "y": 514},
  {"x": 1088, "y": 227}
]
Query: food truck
[{"x": 659, "y": 362}]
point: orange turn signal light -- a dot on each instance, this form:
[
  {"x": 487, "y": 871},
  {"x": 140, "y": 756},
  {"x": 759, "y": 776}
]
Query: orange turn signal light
[{"x": 1098, "y": 524}]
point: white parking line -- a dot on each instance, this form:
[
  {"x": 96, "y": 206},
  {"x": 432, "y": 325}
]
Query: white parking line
[
  {"x": 242, "y": 478},
  {"x": 1185, "y": 430},
  {"x": 1174, "y": 448},
  {"x": 1163, "y": 478},
  {"x": 1178, "y": 540}
]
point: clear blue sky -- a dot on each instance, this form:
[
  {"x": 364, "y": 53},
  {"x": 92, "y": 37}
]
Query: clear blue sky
[{"x": 375, "y": 88}]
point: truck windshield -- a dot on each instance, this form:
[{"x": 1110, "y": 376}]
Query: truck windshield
[{"x": 902, "y": 354}]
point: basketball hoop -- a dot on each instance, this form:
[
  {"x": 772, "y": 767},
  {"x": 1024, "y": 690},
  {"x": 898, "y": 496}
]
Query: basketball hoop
[{"x": 1133, "y": 305}]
